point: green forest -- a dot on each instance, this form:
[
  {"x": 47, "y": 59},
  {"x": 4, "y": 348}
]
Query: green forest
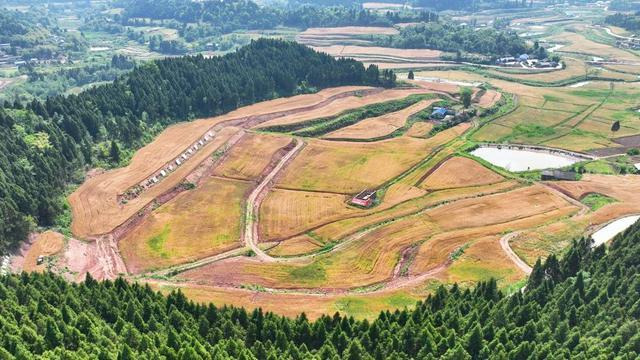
[
  {"x": 53, "y": 140},
  {"x": 584, "y": 306},
  {"x": 227, "y": 16},
  {"x": 452, "y": 37},
  {"x": 629, "y": 22}
]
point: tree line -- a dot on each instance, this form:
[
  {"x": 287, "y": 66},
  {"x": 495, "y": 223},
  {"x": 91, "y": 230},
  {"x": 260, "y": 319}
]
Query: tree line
[
  {"x": 227, "y": 16},
  {"x": 629, "y": 22},
  {"x": 44, "y": 144},
  {"x": 583, "y": 306},
  {"x": 457, "y": 38}
]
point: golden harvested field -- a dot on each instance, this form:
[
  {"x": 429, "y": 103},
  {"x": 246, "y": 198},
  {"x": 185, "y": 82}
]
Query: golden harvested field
[
  {"x": 350, "y": 30},
  {"x": 367, "y": 260},
  {"x": 298, "y": 245},
  {"x": 380, "y": 53},
  {"x": 94, "y": 205},
  {"x": 348, "y": 167},
  {"x": 372, "y": 258},
  {"x": 437, "y": 249},
  {"x": 251, "y": 155},
  {"x": 360, "y": 306},
  {"x": 577, "y": 43},
  {"x": 420, "y": 129},
  {"x": 338, "y": 230},
  {"x": 460, "y": 172},
  {"x": 343, "y": 104},
  {"x": 497, "y": 208},
  {"x": 489, "y": 98},
  {"x": 198, "y": 223},
  {"x": 285, "y": 213},
  {"x": 379, "y": 126}
]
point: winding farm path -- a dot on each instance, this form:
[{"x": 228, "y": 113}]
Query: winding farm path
[
  {"x": 504, "y": 244},
  {"x": 255, "y": 200}
]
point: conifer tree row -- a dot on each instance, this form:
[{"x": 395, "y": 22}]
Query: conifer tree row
[
  {"x": 43, "y": 144},
  {"x": 583, "y": 306}
]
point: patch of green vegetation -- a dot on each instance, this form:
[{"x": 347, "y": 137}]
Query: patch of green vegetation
[
  {"x": 156, "y": 243},
  {"x": 599, "y": 167},
  {"x": 532, "y": 131},
  {"x": 455, "y": 255},
  {"x": 595, "y": 201},
  {"x": 552, "y": 98},
  {"x": 321, "y": 126},
  {"x": 309, "y": 274},
  {"x": 515, "y": 287},
  {"x": 253, "y": 287}
]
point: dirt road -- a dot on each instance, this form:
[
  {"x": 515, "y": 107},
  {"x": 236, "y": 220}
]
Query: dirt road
[
  {"x": 255, "y": 200},
  {"x": 504, "y": 243}
]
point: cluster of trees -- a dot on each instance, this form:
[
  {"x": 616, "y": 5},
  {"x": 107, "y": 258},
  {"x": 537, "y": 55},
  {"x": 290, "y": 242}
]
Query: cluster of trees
[
  {"x": 452, "y": 37},
  {"x": 624, "y": 5},
  {"x": 585, "y": 306},
  {"x": 42, "y": 84},
  {"x": 629, "y": 22},
  {"x": 31, "y": 34},
  {"x": 63, "y": 133},
  {"x": 224, "y": 17}
]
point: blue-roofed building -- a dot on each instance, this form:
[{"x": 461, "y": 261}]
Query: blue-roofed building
[
  {"x": 439, "y": 113},
  {"x": 523, "y": 57}
]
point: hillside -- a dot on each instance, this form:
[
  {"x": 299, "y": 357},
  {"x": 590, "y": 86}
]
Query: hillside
[
  {"x": 585, "y": 305},
  {"x": 52, "y": 140}
]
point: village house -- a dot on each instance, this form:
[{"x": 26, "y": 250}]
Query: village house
[
  {"x": 548, "y": 175},
  {"x": 364, "y": 198}
]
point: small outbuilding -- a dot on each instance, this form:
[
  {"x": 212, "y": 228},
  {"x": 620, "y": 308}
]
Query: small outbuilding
[
  {"x": 364, "y": 198},
  {"x": 559, "y": 175}
]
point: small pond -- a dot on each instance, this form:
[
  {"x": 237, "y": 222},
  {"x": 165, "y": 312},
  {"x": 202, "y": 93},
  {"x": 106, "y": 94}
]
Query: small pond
[{"x": 522, "y": 160}]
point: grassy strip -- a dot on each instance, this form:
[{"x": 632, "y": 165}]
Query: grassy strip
[
  {"x": 595, "y": 201},
  {"x": 321, "y": 126},
  {"x": 421, "y": 115}
]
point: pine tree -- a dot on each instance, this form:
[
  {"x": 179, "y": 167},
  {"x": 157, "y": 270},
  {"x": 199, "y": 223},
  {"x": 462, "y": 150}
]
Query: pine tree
[{"x": 114, "y": 152}]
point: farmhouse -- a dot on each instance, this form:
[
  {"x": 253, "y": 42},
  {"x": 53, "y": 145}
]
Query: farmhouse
[
  {"x": 439, "y": 113},
  {"x": 364, "y": 198},
  {"x": 559, "y": 175}
]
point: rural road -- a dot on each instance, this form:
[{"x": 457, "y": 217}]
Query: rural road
[
  {"x": 504, "y": 243},
  {"x": 253, "y": 204}
]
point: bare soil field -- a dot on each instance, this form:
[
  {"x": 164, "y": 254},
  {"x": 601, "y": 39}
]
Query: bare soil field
[
  {"x": 460, "y": 172},
  {"x": 379, "y": 126},
  {"x": 197, "y": 223},
  {"x": 47, "y": 244}
]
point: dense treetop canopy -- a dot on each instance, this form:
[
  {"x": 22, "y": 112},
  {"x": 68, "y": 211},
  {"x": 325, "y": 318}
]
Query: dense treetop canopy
[{"x": 585, "y": 306}]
